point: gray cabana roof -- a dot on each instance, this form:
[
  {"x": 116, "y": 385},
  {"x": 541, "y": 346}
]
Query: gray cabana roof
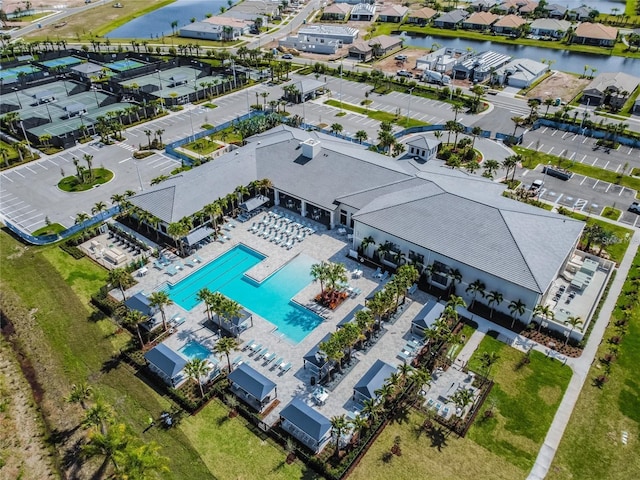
[
  {"x": 197, "y": 235},
  {"x": 349, "y": 317},
  {"x": 39, "y": 95},
  {"x": 428, "y": 315},
  {"x": 373, "y": 379},
  {"x": 140, "y": 302},
  {"x": 253, "y": 203},
  {"x": 252, "y": 381},
  {"x": 166, "y": 360},
  {"x": 307, "y": 419},
  {"x": 312, "y": 355},
  {"x": 75, "y": 107},
  {"x": 87, "y": 67}
]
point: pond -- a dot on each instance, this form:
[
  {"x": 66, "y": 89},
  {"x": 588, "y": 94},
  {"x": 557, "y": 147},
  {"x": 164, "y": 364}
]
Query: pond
[
  {"x": 603, "y": 6},
  {"x": 564, "y": 60},
  {"x": 157, "y": 23}
]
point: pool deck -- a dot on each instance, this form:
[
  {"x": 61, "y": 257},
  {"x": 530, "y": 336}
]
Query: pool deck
[{"x": 323, "y": 245}]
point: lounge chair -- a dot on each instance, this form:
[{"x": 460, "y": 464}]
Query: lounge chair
[
  {"x": 384, "y": 276},
  {"x": 180, "y": 265},
  {"x": 277, "y": 363},
  {"x": 262, "y": 353},
  {"x": 177, "y": 320},
  {"x": 256, "y": 347},
  {"x": 285, "y": 368},
  {"x": 158, "y": 264},
  {"x": 404, "y": 355},
  {"x": 430, "y": 403},
  {"x": 221, "y": 239},
  {"x": 377, "y": 273},
  {"x": 196, "y": 258},
  {"x": 189, "y": 263},
  {"x": 249, "y": 344},
  {"x": 171, "y": 270},
  {"x": 237, "y": 361},
  {"x": 268, "y": 358},
  {"x": 445, "y": 412}
]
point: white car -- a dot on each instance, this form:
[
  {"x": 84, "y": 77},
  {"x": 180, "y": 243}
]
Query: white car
[
  {"x": 287, "y": 56},
  {"x": 404, "y": 73}
]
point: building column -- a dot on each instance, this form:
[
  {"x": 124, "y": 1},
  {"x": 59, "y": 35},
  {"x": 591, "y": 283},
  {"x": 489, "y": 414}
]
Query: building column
[
  {"x": 332, "y": 221},
  {"x": 303, "y": 208},
  {"x": 276, "y": 197}
]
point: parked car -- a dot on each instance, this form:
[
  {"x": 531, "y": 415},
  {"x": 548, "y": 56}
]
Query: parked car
[
  {"x": 634, "y": 207},
  {"x": 536, "y": 185},
  {"x": 402, "y": 58},
  {"x": 287, "y": 56},
  {"x": 404, "y": 73}
]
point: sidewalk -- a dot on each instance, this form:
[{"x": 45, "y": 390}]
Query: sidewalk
[{"x": 581, "y": 369}]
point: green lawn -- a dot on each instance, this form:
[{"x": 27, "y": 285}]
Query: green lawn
[
  {"x": 49, "y": 229},
  {"x": 203, "y": 146},
  {"x": 232, "y": 451},
  {"x": 439, "y": 456},
  {"x": 377, "y": 114},
  {"x": 525, "y": 398},
  {"x": 611, "y": 213},
  {"x": 72, "y": 184},
  {"x": 532, "y": 158},
  {"x": 601, "y": 415}
]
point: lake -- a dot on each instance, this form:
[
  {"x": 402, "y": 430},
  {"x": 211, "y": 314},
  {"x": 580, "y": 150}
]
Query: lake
[
  {"x": 603, "y": 6},
  {"x": 564, "y": 60},
  {"x": 158, "y": 23}
]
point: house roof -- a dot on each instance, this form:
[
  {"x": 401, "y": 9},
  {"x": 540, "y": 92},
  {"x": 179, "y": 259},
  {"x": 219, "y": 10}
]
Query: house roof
[
  {"x": 228, "y": 22},
  {"x": 87, "y": 67},
  {"x": 363, "y": 9},
  {"x": 554, "y": 7},
  {"x": 597, "y": 31},
  {"x": 523, "y": 69},
  {"x": 385, "y": 41},
  {"x": 312, "y": 355},
  {"x": 617, "y": 82},
  {"x": 425, "y": 13},
  {"x": 454, "y": 16},
  {"x": 337, "y": 8},
  {"x": 424, "y": 141},
  {"x": 492, "y": 233},
  {"x": 374, "y": 379},
  {"x": 308, "y": 85},
  {"x": 139, "y": 302},
  {"x": 428, "y": 315},
  {"x": 307, "y": 419},
  {"x": 251, "y": 381},
  {"x": 317, "y": 29},
  {"x": 510, "y": 21},
  {"x": 360, "y": 46},
  {"x": 482, "y": 18},
  {"x": 552, "y": 24},
  {"x": 166, "y": 360},
  {"x": 394, "y": 11}
]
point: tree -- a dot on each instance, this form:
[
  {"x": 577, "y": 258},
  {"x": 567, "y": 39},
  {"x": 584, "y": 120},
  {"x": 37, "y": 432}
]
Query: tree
[
  {"x": 336, "y": 128},
  {"x": 338, "y": 425},
  {"x": 494, "y": 297},
  {"x": 319, "y": 272},
  {"x": 80, "y": 393},
  {"x": 98, "y": 208},
  {"x": 142, "y": 462},
  {"x": 133, "y": 318},
  {"x": 159, "y": 300},
  {"x": 518, "y": 122},
  {"x": 225, "y": 346},
  {"x": 487, "y": 360},
  {"x": 148, "y": 133},
  {"x": 509, "y": 163},
  {"x": 462, "y": 397},
  {"x": 364, "y": 244},
  {"x": 361, "y": 135},
  {"x": 573, "y": 322},
  {"x": 119, "y": 278},
  {"x": 99, "y": 415},
  {"x": 543, "y": 311},
  {"x": 517, "y": 309},
  {"x": 196, "y": 369},
  {"x": 204, "y": 295},
  {"x": 89, "y": 159},
  {"x": 108, "y": 446},
  {"x": 490, "y": 168}
]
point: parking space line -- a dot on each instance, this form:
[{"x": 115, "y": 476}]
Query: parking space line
[
  {"x": 608, "y": 187},
  {"x": 32, "y": 171},
  {"x": 554, "y": 132},
  {"x": 540, "y": 147},
  {"x": 549, "y": 152},
  {"x": 585, "y": 156},
  {"x": 125, "y": 160},
  {"x": 594, "y": 185},
  {"x": 583, "y": 180},
  {"x": 40, "y": 165},
  {"x": 559, "y": 197},
  {"x": 622, "y": 190},
  {"x": 166, "y": 168},
  {"x": 594, "y": 162},
  {"x": 574, "y": 137},
  {"x": 51, "y": 161},
  {"x": 7, "y": 178},
  {"x": 572, "y": 155},
  {"x": 605, "y": 165},
  {"x": 25, "y": 213},
  {"x": 585, "y": 139},
  {"x": 531, "y": 143},
  {"x": 544, "y": 129},
  {"x": 564, "y": 135},
  {"x": 31, "y": 218}
]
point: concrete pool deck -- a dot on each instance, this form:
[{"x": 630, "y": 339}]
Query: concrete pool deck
[{"x": 323, "y": 245}]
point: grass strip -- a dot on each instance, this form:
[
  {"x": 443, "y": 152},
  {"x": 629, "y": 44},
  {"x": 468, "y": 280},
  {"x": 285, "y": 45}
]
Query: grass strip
[{"x": 378, "y": 114}]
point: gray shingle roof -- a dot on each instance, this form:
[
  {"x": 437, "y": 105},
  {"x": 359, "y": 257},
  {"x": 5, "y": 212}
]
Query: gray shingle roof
[
  {"x": 139, "y": 302},
  {"x": 428, "y": 315},
  {"x": 374, "y": 379},
  {"x": 468, "y": 222},
  {"x": 251, "y": 381},
  {"x": 307, "y": 419},
  {"x": 166, "y": 360},
  {"x": 424, "y": 141}
]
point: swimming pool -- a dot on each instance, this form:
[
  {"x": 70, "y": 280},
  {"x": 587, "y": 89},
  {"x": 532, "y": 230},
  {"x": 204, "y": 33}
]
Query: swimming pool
[
  {"x": 270, "y": 299},
  {"x": 194, "y": 349}
]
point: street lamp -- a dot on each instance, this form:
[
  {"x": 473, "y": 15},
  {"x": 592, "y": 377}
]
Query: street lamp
[
  {"x": 15, "y": 90},
  {"x": 409, "y": 105}
]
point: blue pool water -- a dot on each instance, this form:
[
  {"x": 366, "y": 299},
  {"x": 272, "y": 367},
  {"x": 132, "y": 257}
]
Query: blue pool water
[
  {"x": 194, "y": 349},
  {"x": 270, "y": 299}
]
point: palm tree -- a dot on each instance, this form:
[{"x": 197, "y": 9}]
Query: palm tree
[
  {"x": 99, "y": 415},
  {"x": 159, "y": 300},
  {"x": 195, "y": 369},
  {"x": 475, "y": 288},
  {"x": 204, "y": 295},
  {"x": 338, "y": 425},
  {"x": 241, "y": 191},
  {"x": 454, "y": 302},
  {"x": 141, "y": 462},
  {"x": 517, "y": 309},
  {"x": 543, "y": 311},
  {"x": 361, "y": 135},
  {"x": 574, "y": 322},
  {"x": 225, "y": 346},
  {"x": 490, "y": 168},
  {"x": 319, "y": 272},
  {"x": 133, "y": 318},
  {"x": 108, "y": 445},
  {"x": 80, "y": 392},
  {"x": 462, "y": 398},
  {"x": 336, "y": 128},
  {"x": 364, "y": 244},
  {"x": 487, "y": 359},
  {"x": 120, "y": 278},
  {"x": 494, "y": 297}
]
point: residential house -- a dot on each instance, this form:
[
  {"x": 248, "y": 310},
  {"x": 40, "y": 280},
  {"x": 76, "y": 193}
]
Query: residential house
[
  {"x": 342, "y": 33},
  {"x": 580, "y": 14},
  {"x": 167, "y": 364},
  {"x": 483, "y": 5},
  {"x": 336, "y": 11},
  {"x": 480, "y": 21},
  {"x": 422, "y": 16},
  {"x": 451, "y": 20},
  {"x": 427, "y": 316},
  {"x": 520, "y": 73},
  {"x": 509, "y": 24},
  {"x": 316, "y": 361},
  {"x": 363, "y": 12},
  {"x": 217, "y": 28},
  {"x": 393, "y": 14},
  {"x": 379, "y": 46},
  {"x": 372, "y": 381},
  {"x": 252, "y": 387},
  {"x": 516, "y": 6},
  {"x": 423, "y": 147},
  {"x": 306, "y": 424},
  {"x": 549, "y": 27},
  {"x": 479, "y": 67},
  {"x": 595, "y": 34},
  {"x": 554, "y": 10},
  {"x": 322, "y": 39},
  {"x": 610, "y": 89},
  {"x": 442, "y": 60}
]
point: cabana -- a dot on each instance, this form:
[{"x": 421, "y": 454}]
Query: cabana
[
  {"x": 252, "y": 387},
  {"x": 253, "y": 203},
  {"x": 235, "y": 326},
  {"x": 431, "y": 312},
  {"x": 317, "y": 362},
  {"x": 371, "y": 381},
  {"x": 198, "y": 235},
  {"x": 167, "y": 364},
  {"x": 306, "y": 424},
  {"x": 349, "y": 317},
  {"x": 141, "y": 303}
]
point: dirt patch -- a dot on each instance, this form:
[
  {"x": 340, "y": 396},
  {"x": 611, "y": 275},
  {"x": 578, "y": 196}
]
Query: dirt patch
[{"x": 559, "y": 85}]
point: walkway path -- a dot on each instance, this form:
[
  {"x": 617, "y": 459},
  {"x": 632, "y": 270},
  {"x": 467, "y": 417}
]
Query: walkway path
[
  {"x": 581, "y": 369},
  {"x": 470, "y": 347}
]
